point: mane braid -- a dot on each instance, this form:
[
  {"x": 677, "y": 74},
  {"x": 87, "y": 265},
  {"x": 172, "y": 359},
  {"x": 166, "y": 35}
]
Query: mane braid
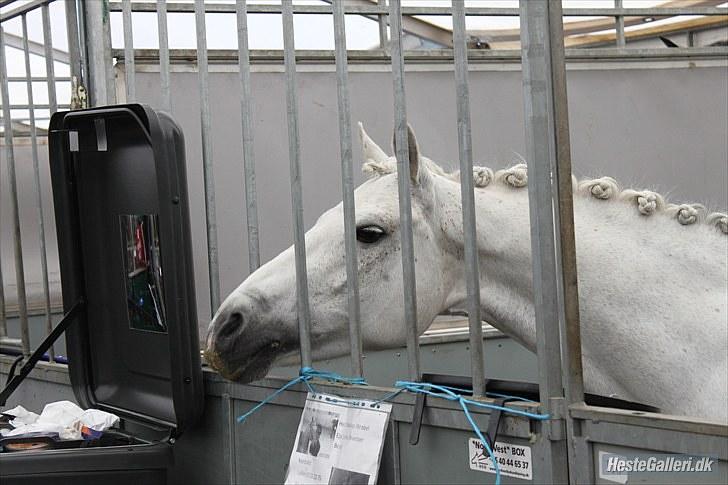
[{"x": 645, "y": 201}]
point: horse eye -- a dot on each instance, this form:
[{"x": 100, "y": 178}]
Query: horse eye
[{"x": 369, "y": 234}]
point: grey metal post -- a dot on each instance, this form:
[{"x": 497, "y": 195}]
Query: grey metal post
[
  {"x": 403, "y": 182},
  {"x": 98, "y": 52},
  {"x": 163, "y": 55},
  {"x": 382, "y": 24},
  {"x": 619, "y": 24},
  {"x": 129, "y": 66},
  {"x": 467, "y": 194},
  {"x": 347, "y": 184},
  {"x": 74, "y": 45},
  {"x": 246, "y": 100},
  {"x": 3, "y": 314},
  {"x": 556, "y": 300},
  {"x": 50, "y": 68},
  {"x": 36, "y": 178},
  {"x": 294, "y": 154},
  {"x": 17, "y": 241},
  {"x": 207, "y": 165}
]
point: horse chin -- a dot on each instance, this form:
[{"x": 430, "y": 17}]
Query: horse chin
[{"x": 244, "y": 372}]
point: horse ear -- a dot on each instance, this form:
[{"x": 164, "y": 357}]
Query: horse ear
[
  {"x": 370, "y": 150},
  {"x": 414, "y": 153}
]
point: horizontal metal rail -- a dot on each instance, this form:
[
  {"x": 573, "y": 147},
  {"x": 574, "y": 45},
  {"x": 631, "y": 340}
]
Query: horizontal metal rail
[
  {"x": 180, "y": 7},
  {"x": 23, "y": 9},
  {"x": 445, "y": 56}
]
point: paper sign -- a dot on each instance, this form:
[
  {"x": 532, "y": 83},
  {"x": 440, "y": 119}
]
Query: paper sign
[
  {"x": 514, "y": 460},
  {"x": 338, "y": 441}
]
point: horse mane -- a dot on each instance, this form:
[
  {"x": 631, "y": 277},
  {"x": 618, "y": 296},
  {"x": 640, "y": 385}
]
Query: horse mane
[{"x": 646, "y": 202}]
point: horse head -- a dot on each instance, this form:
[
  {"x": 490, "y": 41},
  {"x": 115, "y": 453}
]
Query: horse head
[{"x": 257, "y": 324}]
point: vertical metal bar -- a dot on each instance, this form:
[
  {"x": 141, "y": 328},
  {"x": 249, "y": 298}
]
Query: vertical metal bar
[
  {"x": 564, "y": 213},
  {"x": 552, "y": 231},
  {"x": 3, "y": 314},
  {"x": 347, "y": 185},
  {"x": 294, "y": 154},
  {"x": 228, "y": 426},
  {"x": 382, "y": 23},
  {"x": 129, "y": 65},
  {"x": 619, "y": 20},
  {"x": 207, "y": 165},
  {"x": 50, "y": 67},
  {"x": 246, "y": 100},
  {"x": 163, "y": 54},
  {"x": 98, "y": 51},
  {"x": 74, "y": 46},
  {"x": 467, "y": 194},
  {"x": 403, "y": 181},
  {"x": 36, "y": 175},
  {"x": 17, "y": 241}
]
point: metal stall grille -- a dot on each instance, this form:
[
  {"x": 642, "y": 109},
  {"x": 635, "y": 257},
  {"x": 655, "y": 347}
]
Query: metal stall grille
[{"x": 543, "y": 53}]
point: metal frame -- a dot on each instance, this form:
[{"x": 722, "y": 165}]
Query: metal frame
[{"x": 569, "y": 436}]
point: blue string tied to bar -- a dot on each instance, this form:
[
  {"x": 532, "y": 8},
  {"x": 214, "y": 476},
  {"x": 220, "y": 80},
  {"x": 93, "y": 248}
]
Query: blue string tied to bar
[
  {"x": 453, "y": 394},
  {"x": 304, "y": 376},
  {"x": 449, "y": 393}
]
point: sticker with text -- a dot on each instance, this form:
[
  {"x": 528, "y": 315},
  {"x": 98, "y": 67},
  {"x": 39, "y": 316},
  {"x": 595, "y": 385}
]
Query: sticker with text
[{"x": 514, "y": 460}]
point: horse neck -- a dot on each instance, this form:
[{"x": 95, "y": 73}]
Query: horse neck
[
  {"x": 504, "y": 257},
  {"x": 654, "y": 262}
]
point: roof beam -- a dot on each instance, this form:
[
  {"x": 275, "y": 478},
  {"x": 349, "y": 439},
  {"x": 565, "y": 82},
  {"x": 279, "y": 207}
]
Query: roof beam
[{"x": 586, "y": 26}]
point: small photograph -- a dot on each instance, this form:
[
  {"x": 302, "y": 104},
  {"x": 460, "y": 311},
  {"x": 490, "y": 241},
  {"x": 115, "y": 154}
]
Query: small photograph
[
  {"x": 317, "y": 432},
  {"x": 347, "y": 477}
]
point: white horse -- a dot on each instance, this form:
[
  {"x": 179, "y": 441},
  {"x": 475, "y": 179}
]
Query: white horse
[{"x": 652, "y": 282}]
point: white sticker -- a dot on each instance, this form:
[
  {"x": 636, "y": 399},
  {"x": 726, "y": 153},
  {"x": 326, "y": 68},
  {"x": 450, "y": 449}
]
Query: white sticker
[
  {"x": 338, "y": 441},
  {"x": 513, "y": 460}
]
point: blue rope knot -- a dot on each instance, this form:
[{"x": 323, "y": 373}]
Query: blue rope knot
[
  {"x": 449, "y": 393},
  {"x": 453, "y": 394}
]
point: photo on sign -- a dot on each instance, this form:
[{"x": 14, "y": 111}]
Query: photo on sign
[
  {"x": 317, "y": 432},
  {"x": 340, "y": 476}
]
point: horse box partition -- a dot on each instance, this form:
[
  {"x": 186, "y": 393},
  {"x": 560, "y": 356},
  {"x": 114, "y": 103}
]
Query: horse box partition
[{"x": 122, "y": 221}]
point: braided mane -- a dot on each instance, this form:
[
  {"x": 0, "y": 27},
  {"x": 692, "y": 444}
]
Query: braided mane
[{"x": 646, "y": 202}]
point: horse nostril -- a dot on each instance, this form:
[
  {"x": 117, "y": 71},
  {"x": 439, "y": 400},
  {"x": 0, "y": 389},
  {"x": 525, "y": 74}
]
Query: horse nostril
[{"x": 231, "y": 325}]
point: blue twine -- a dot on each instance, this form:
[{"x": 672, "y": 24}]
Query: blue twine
[
  {"x": 443, "y": 392},
  {"x": 305, "y": 375},
  {"x": 451, "y": 394}
]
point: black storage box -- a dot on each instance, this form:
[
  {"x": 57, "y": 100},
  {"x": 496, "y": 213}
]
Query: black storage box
[{"x": 120, "y": 194}]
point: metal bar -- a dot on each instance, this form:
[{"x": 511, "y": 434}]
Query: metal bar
[
  {"x": 17, "y": 242},
  {"x": 37, "y": 106},
  {"x": 229, "y": 427},
  {"x": 382, "y": 25},
  {"x": 23, "y": 9},
  {"x": 465, "y": 146},
  {"x": 403, "y": 183},
  {"x": 213, "y": 7},
  {"x": 50, "y": 67},
  {"x": 98, "y": 51},
  {"x": 550, "y": 201},
  {"x": 128, "y": 52},
  {"x": 442, "y": 56},
  {"x": 75, "y": 61},
  {"x": 3, "y": 311},
  {"x": 619, "y": 20},
  {"x": 36, "y": 178},
  {"x": 347, "y": 187},
  {"x": 246, "y": 100},
  {"x": 207, "y": 165},
  {"x": 36, "y": 48},
  {"x": 163, "y": 55},
  {"x": 37, "y": 79},
  {"x": 294, "y": 154}
]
